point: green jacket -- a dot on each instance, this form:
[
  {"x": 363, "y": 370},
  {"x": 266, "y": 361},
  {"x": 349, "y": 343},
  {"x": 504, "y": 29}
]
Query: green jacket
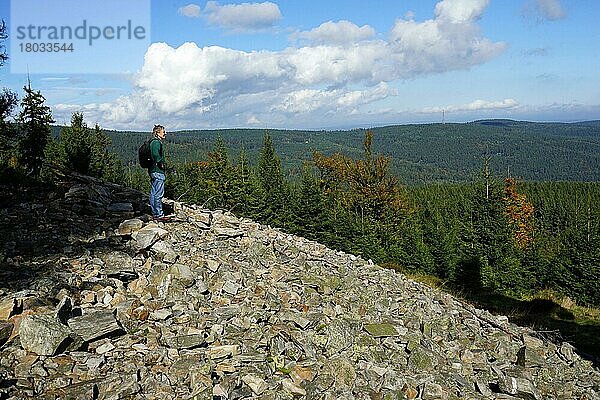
[{"x": 156, "y": 151}]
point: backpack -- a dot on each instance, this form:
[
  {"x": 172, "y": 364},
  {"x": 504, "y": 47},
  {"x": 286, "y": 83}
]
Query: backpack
[{"x": 145, "y": 155}]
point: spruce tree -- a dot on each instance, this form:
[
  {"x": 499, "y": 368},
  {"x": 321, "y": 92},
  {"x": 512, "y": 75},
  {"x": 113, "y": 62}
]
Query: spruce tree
[
  {"x": 8, "y": 103},
  {"x": 272, "y": 184},
  {"x": 75, "y": 145},
  {"x": 309, "y": 214},
  {"x": 246, "y": 188},
  {"x": 34, "y": 130},
  {"x": 85, "y": 151},
  {"x": 8, "y": 132}
]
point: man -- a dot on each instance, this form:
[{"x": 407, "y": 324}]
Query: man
[{"x": 157, "y": 173}]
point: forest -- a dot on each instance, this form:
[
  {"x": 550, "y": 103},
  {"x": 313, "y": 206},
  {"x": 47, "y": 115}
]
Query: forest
[{"x": 419, "y": 153}]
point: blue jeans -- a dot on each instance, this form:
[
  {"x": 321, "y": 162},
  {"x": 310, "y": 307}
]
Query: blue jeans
[{"x": 157, "y": 190}]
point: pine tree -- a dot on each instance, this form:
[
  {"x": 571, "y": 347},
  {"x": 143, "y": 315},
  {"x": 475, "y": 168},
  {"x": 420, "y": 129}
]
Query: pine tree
[{"x": 34, "y": 130}]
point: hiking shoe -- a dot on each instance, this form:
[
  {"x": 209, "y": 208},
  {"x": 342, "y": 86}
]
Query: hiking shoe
[{"x": 164, "y": 218}]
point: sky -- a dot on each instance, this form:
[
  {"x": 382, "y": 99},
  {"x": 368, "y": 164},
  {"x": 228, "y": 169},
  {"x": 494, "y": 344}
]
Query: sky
[{"x": 336, "y": 64}]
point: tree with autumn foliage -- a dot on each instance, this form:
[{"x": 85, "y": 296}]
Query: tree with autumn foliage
[
  {"x": 367, "y": 186},
  {"x": 519, "y": 212},
  {"x": 369, "y": 206}
]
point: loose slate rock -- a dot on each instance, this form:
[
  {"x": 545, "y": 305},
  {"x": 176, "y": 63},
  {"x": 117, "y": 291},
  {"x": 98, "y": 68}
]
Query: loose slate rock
[
  {"x": 216, "y": 352},
  {"x": 184, "y": 341},
  {"x": 130, "y": 226},
  {"x": 6, "y": 329},
  {"x": 256, "y": 384},
  {"x": 296, "y": 318},
  {"x": 340, "y": 336},
  {"x": 265, "y": 315},
  {"x": 43, "y": 334},
  {"x": 95, "y": 325},
  {"x": 6, "y": 308},
  {"x": 381, "y": 330},
  {"x": 148, "y": 235}
]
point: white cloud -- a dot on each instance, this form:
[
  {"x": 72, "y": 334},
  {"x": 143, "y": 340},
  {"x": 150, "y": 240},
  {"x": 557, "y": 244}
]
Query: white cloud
[
  {"x": 217, "y": 86},
  {"x": 550, "y": 9},
  {"x": 341, "y": 32},
  {"x": 308, "y": 100},
  {"x": 191, "y": 10},
  {"x": 252, "y": 120},
  {"x": 477, "y": 105},
  {"x": 243, "y": 17},
  {"x": 450, "y": 41},
  {"x": 460, "y": 11}
]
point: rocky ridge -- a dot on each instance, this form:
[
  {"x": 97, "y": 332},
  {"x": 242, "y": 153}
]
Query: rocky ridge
[{"x": 98, "y": 302}]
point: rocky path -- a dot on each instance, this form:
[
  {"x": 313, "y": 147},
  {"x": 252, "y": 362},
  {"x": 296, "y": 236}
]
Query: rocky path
[{"x": 96, "y": 303}]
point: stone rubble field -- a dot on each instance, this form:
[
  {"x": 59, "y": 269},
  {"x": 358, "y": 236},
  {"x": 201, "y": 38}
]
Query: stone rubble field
[{"x": 97, "y": 302}]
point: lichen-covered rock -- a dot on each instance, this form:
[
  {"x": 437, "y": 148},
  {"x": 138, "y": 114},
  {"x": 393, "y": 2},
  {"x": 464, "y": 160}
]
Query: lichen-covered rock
[
  {"x": 94, "y": 325},
  {"x": 43, "y": 334}
]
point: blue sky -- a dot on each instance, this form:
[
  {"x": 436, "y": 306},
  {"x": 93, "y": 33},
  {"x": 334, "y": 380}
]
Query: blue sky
[{"x": 341, "y": 64}]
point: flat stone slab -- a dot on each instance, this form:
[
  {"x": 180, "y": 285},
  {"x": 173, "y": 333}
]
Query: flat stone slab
[
  {"x": 381, "y": 330},
  {"x": 95, "y": 325},
  {"x": 255, "y": 383},
  {"x": 296, "y": 318},
  {"x": 184, "y": 341},
  {"x": 148, "y": 235},
  {"x": 228, "y": 232},
  {"x": 216, "y": 352}
]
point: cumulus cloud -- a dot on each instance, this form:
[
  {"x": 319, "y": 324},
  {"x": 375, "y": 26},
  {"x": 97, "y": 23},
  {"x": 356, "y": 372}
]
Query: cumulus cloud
[
  {"x": 546, "y": 9},
  {"x": 452, "y": 40},
  {"x": 308, "y": 100},
  {"x": 460, "y": 11},
  {"x": 243, "y": 17},
  {"x": 191, "y": 10},
  {"x": 227, "y": 87},
  {"x": 341, "y": 32}
]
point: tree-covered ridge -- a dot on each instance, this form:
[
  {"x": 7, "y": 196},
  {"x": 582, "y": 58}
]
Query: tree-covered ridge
[{"x": 420, "y": 153}]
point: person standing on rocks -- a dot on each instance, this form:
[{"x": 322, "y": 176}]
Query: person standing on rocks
[{"x": 157, "y": 173}]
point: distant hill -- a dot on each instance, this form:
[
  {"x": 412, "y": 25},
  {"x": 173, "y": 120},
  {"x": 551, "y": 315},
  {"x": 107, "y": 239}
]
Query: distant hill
[{"x": 421, "y": 153}]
